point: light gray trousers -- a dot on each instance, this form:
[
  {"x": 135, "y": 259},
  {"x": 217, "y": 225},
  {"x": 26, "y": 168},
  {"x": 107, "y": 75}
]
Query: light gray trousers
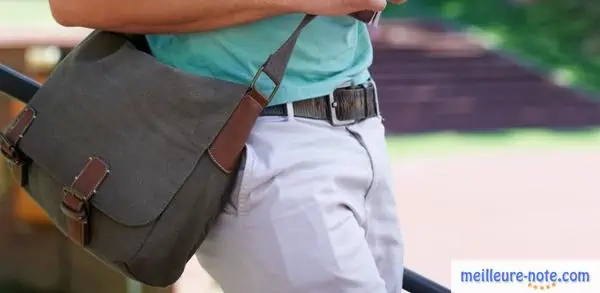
[{"x": 314, "y": 212}]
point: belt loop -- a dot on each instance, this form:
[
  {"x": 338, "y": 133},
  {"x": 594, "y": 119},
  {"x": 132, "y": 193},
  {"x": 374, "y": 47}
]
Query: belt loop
[
  {"x": 376, "y": 97},
  {"x": 289, "y": 111}
]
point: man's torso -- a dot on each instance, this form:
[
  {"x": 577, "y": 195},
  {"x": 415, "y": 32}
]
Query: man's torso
[{"x": 331, "y": 51}]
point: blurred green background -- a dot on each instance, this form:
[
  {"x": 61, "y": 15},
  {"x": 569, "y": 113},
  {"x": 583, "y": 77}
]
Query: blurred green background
[
  {"x": 558, "y": 38},
  {"x": 562, "y": 37}
]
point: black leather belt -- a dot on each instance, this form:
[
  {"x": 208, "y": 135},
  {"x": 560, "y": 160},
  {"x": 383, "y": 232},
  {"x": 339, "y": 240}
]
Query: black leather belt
[{"x": 342, "y": 107}]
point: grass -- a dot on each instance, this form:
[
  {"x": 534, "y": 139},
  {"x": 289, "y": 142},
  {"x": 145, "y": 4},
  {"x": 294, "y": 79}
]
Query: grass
[{"x": 447, "y": 143}]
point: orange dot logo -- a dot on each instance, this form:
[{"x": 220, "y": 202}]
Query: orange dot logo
[{"x": 541, "y": 287}]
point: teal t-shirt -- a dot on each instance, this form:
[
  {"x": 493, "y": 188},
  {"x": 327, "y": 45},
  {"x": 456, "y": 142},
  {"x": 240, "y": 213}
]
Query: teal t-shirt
[{"x": 331, "y": 51}]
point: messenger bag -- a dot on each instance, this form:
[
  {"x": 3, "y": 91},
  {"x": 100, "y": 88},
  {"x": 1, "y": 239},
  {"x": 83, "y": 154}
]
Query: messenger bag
[{"x": 133, "y": 159}]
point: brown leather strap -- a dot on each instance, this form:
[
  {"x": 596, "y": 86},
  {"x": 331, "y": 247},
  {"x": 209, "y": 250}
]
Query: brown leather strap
[
  {"x": 75, "y": 203},
  {"x": 227, "y": 147},
  {"x": 9, "y": 140},
  {"x": 230, "y": 141},
  {"x": 348, "y": 105}
]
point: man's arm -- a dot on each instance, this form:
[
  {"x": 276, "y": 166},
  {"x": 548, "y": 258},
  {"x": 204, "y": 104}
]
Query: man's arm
[
  {"x": 158, "y": 16},
  {"x": 179, "y": 16}
]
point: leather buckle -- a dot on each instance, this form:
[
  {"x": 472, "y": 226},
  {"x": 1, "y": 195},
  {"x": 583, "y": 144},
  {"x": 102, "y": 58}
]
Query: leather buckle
[
  {"x": 74, "y": 205},
  {"x": 9, "y": 151},
  {"x": 9, "y": 141},
  {"x": 76, "y": 209},
  {"x": 17, "y": 162},
  {"x": 80, "y": 216}
]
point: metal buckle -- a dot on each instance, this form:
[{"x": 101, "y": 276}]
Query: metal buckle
[
  {"x": 255, "y": 79},
  {"x": 15, "y": 160},
  {"x": 9, "y": 151},
  {"x": 81, "y": 213},
  {"x": 333, "y": 118},
  {"x": 74, "y": 192},
  {"x": 335, "y": 121}
]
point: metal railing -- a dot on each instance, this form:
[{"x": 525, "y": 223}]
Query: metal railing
[
  {"x": 17, "y": 85},
  {"x": 415, "y": 283},
  {"x": 23, "y": 88}
]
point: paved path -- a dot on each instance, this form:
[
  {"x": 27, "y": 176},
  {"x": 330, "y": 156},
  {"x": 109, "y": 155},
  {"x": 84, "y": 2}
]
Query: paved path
[{"x": 507, "y": 204}]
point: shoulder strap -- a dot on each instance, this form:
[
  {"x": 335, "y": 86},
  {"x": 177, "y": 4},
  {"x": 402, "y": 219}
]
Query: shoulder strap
[{"x": 277, "y": 62}]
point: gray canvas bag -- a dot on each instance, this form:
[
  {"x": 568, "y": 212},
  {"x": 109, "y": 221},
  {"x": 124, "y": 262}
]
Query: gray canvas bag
[{"x": 133, "y": 159}]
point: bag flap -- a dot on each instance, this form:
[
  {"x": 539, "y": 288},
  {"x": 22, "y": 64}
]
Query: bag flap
[{"x": 149, "y": 122}]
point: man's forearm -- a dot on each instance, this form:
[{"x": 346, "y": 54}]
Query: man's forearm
[
  {"x": 204, "y": 24},
  {"x": 160, "y": 16}
]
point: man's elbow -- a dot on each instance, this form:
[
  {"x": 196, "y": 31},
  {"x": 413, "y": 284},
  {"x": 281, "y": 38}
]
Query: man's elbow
[
  {"x": 63, "y": 12},
  {"x": 71, "y": 13}
]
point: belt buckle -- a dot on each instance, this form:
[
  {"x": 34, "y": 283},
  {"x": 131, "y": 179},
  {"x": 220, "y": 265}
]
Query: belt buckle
[
  {"x": 332, "y": 104},
  {"x": 333, "y": 118}
]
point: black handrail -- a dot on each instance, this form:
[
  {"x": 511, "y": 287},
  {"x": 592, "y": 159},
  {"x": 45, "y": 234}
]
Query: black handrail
[
  {"x": 415, "y": 283},
  {"x": 23, "y": 88},
  {"x": 17, "y": 85}
]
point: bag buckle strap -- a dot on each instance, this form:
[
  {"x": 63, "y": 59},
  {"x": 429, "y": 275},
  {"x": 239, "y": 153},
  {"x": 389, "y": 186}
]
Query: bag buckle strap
[
  {"x": 9, "y": 141},
  {"x": 17, "y": 162},
  {"x": 9, "y": 151},
  {"x": 75, "y": 203},
  {"x": 73, "y": 206}
]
